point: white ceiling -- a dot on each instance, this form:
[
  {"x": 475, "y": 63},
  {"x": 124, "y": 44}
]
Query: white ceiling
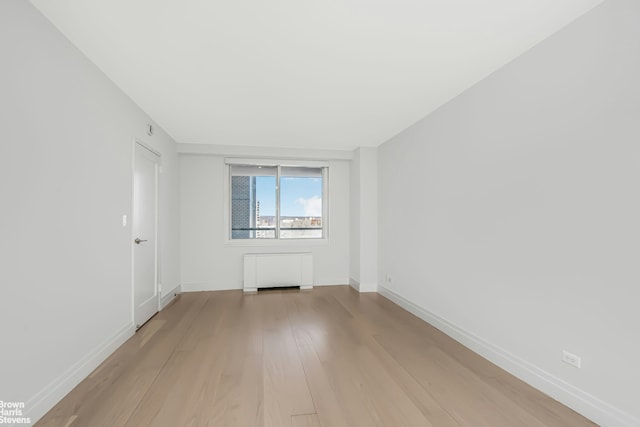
[{"x": 299, "y": 73}]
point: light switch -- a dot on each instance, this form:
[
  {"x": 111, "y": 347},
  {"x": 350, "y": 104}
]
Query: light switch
[{"x": 124, "y": 220}]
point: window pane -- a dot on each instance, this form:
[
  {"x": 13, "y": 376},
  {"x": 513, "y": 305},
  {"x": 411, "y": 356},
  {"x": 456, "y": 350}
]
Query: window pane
[
  {"x": 300, "y": 203},
  {"x": 253, "y": 202}
]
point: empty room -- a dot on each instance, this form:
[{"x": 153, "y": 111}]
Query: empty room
[{"x": 339, "y": 213}]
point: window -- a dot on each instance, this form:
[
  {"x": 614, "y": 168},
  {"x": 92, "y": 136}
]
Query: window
[{"x": 279, "y": 201}]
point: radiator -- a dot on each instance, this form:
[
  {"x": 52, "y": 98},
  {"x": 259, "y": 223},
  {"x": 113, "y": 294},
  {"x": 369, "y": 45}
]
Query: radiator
[{"x": 278, "y": 270}]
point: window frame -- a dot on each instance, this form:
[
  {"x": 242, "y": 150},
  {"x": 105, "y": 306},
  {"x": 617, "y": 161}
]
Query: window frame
[{"x": 276, "y": 241}]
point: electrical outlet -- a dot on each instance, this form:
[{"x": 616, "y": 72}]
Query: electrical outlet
[
  {"x": 571, "y": 359},
  {"x": 388, "y": 278}
]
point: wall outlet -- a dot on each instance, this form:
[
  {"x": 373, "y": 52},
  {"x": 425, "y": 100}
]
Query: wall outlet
[
  {"x": 571, "y": 359},
  {"x": 388, "y": 277}
]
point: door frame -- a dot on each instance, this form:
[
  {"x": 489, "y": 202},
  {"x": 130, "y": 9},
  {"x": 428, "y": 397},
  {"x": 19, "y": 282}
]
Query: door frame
[{"x": 137, "y": 141}]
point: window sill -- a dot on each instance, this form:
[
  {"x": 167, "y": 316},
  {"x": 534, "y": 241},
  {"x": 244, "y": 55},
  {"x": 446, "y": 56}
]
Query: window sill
[{"x": 274, "y": 243}]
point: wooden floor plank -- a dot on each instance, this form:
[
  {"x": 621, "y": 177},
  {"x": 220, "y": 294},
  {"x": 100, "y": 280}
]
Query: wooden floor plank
[
  {"x": 421, "y": 398},
  {"x": 286, "y": 392},
  {"x": 187, "y": 382},
  {"x": 238, "y": 396},
  {"x": 308, "y": 420},
  {"x": 359, "y": 377},
  {"x": 329, "y": 357}
]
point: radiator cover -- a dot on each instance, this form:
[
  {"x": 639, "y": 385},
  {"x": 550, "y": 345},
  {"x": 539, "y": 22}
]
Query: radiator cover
[{"x": 278, "y": 270}]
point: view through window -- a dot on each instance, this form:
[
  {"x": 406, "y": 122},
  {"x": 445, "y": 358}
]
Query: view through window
[{"x": 276, "y": 202}]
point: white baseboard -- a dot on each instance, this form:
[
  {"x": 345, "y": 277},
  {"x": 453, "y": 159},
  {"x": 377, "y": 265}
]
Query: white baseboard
[
  {"x": 170, "y": 296},
  {"x": 51, "y": 394},
  {"x": 567, "y": 394},
  {"x": 331, "y": 282},
  {"x": 368, "y": 287},
  {"x": 363, "y": 287},
  {"x": 209, "y": 286}
]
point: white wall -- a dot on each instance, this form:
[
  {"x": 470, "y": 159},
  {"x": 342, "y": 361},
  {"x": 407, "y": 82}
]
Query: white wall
[
  {"x": 524, "y": 196},
  {"x": 364, "y": 220},
  {"x": 354, "y": 223},
  {"x": 207, "y": 263},
  {"x": 65, "y": 182}
]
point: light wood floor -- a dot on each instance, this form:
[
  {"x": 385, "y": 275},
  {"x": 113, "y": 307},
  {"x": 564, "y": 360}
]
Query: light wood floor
[{"x": 327, "y": 357}]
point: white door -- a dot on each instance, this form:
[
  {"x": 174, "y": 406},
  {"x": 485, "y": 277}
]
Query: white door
[{"x": 146, "y": 297}]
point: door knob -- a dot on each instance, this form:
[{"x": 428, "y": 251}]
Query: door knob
[{"x": 138, "y": 240}]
